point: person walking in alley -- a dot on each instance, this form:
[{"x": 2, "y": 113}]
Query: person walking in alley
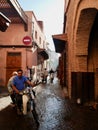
[
  {"x": 51, "y": 72},
  {"x": 9, "y": 86},
  {"x": 45, "y": 74}
]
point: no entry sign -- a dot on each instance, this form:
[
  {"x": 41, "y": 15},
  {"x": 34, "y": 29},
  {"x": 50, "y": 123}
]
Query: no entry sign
[{"x": 27, "y": 40}]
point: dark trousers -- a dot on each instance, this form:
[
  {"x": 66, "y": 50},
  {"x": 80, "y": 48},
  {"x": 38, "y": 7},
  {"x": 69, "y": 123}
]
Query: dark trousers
[
  {"x": 51, "y": 80},
  {"x": 13, "y": 98},
  {"x": 19, "y": 100}
]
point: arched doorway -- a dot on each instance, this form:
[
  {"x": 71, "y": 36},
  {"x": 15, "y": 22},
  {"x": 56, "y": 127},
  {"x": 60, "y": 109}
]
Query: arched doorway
[{"x": 83, "y": 80}]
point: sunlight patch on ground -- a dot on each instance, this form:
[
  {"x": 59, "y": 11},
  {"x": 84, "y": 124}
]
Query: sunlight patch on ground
[{"x": 4, "y": 102}]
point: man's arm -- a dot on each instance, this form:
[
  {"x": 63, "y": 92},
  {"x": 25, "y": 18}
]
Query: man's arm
[
  {"x": 31, "y": 84},
  {"x": 15, "y": 89}
]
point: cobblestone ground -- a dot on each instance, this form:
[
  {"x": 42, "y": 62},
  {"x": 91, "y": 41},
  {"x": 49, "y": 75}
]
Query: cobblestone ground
[{"x": 58, "y": 113}]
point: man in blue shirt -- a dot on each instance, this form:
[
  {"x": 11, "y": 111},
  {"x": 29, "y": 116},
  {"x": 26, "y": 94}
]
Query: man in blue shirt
[{"x": 18, "y": 85}]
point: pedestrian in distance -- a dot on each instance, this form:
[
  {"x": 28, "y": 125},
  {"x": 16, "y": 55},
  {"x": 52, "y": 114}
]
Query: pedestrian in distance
[
  {"x": 9, "y": 86},
  {"x": 45, "y": 75},
  {"x": 51, "y": 72}
]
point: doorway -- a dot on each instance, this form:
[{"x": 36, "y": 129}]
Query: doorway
[
  {"x": 83, "y": 86},
  {"x": 13, "y": 63}
]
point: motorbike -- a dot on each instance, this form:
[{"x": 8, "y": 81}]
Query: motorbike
[
  {"x": 28, "y": 103},
  {"x": 27, "y": 100}
]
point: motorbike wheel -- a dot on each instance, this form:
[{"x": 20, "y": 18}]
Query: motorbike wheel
[{"x": 35, "y": 115}]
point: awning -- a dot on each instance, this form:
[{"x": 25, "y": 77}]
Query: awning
[
  {"x": 4, "y": 22},
  {"x": 12, "y": 10},
  {"x": 59, "y": 42},
  {"x": 43, "y": 53}
]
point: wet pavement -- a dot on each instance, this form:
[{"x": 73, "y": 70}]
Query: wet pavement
[
  {"x": 55, "y": 112},
  {"x": 9, "y": 120},
  {"x": 51, "y": 108}
]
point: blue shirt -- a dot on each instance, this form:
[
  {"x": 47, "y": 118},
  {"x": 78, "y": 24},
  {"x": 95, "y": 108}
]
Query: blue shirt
[{"x": 19, "y": 82}]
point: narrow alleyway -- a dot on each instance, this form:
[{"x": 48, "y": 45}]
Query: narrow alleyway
[
  {"x": 59, "y": 113},
  {"x": 55, "y": 112}
]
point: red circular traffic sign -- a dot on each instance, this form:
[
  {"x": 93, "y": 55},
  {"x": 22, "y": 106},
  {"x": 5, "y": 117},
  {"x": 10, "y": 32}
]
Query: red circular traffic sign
[{"x": 27, "y": 40}]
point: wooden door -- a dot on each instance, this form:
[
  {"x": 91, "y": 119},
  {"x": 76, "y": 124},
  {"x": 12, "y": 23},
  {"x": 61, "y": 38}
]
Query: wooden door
[
  {"x": 13, "y": 63},
  {"x": 83, "y": 86}
]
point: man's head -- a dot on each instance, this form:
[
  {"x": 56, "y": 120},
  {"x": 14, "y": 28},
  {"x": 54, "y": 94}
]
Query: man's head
[
  {"x": 20, "y": 72},
  {"x": 14, "y": 73}
]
